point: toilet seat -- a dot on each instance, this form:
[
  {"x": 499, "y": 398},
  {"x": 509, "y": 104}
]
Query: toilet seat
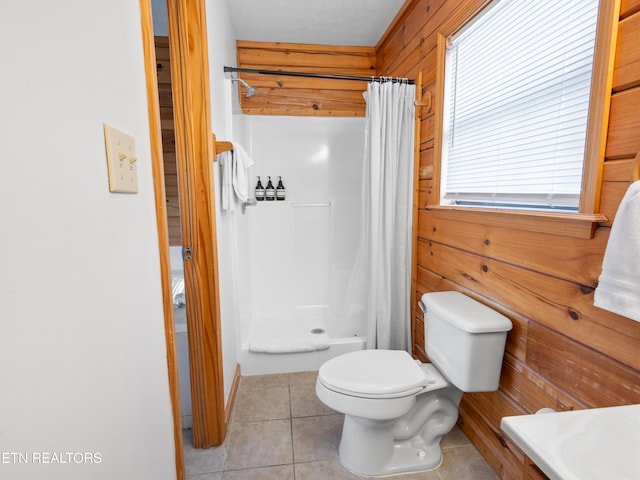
[{"x": 374, "y": 374}]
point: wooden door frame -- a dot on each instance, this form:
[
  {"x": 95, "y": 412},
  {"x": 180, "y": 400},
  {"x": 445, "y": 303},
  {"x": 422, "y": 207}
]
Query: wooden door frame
[
  {"x": 195, "y": 148},
  {"x": 157, "y": 165},
  {"x": 195, "y": 153}
]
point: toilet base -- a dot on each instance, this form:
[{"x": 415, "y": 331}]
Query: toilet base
[{"x": 407, "y": 444}]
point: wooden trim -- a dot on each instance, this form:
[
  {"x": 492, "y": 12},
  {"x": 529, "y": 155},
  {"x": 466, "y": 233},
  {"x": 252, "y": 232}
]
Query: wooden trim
[
  {"x": 462, "y": 16},
  {"x": 223, "y": 146},
  {"x": 414, "y": 214},
  {"x": 600, "y": 102},
  {"x": 441, "y": 54},
  {"x": 532, "y": 472},
  {"x": 228, "y": 410},
  {"x": 194, "y": 152},
  {"x": 635, "y": 168},
  {"x": 425, "y": 103},
  {"x": 599, "y": 105},
  {"x": 309, "y": 47},
  {"x": 576, "y": 225},
  {"x": 157, "y": 166}
]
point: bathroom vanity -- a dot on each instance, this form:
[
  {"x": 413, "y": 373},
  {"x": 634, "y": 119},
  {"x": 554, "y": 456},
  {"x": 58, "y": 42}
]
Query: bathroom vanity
[{"x": 591, "y": 444}]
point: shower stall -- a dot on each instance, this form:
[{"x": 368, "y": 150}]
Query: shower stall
[{"x": 293, "y": 258}]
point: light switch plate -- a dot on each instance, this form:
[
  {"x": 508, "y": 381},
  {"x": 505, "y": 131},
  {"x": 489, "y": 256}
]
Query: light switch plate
[{"x": 121, "y": 161}]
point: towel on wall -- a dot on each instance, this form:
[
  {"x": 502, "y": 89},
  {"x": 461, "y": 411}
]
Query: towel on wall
[
  {"x": 235, "y": 166},
  {"x": 619, "y": 285}
]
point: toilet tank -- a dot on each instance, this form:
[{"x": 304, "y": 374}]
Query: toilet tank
[{"x": 465, "y": 340}]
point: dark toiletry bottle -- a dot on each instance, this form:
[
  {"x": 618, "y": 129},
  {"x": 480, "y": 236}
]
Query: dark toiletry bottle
[
  {"x": 281, "y": 193},
  {"x": 259, "y": 191},
  {"x": 270, "y": 192}
]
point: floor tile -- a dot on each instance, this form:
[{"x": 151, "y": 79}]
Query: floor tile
[
  {"x": 303, "y": 378},
  {"x": 316, "y": 438},
  {"x": 258, "y": 403},
  {"x": 201, "y": 460},
  {"x": 280, "y": 430},
  {"x": 264, "y": 381},
  {"x": 305, "y": 402},
  {"x": 206, "y": 476},
  {"x": 455, "y": 438},
  {"x": 323, "y": 471},
  {"x": 281, "y": 472},
  {"x": 259, "y": 444},
  {"x": 423, "y": 475},
  {"x": 465, "y": 463},
  {"x": 332, "y": 469}
]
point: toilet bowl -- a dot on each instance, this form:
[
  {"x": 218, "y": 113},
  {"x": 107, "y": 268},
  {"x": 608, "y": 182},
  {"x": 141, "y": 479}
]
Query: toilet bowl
[
  {"x": 397, "y": 409},
  {"x": 385, "y": 429}
]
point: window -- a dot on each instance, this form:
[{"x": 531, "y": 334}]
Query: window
[{"x": 516, "y": 104}]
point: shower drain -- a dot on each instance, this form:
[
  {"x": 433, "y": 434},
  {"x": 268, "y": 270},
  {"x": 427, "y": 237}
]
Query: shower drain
[{"x": 317, "y": 331}]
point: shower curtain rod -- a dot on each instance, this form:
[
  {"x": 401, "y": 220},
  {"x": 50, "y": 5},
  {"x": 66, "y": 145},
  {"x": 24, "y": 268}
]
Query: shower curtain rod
[{"x": 317, "y": 75}]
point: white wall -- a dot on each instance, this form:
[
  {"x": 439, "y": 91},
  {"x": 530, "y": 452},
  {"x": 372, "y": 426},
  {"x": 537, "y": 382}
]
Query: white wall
[
  {"x": 300, "y": 252},
  {"x": 82, "y": 344}
]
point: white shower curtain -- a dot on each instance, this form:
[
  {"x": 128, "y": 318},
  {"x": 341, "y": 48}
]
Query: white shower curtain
[{"x": 380, "y": 285}]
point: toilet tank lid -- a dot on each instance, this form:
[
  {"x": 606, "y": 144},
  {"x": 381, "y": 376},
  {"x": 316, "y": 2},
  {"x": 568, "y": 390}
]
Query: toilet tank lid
[{"x": 465, "y": 313}]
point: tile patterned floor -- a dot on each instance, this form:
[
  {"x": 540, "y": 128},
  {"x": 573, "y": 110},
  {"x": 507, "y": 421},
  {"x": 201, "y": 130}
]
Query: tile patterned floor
[{"x": 280, "y": 431}]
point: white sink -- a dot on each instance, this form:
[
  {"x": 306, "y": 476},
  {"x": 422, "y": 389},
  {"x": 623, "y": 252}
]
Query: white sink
[{"x": 592, "y": 444}]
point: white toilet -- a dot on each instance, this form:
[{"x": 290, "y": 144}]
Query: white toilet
[{"x": 397, "y": 409}]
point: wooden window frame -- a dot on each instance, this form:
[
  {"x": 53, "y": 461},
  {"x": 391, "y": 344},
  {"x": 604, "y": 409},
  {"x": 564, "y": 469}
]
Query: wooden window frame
[{"x": 584, "y": 223}]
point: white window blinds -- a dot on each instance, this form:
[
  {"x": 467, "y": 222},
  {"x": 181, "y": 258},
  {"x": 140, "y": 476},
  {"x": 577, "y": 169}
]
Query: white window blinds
[{"x": 517, "y": 86}]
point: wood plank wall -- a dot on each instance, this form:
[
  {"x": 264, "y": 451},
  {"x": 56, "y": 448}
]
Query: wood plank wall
[
  {"x": 168, "y": 139},
  {"x": 563, "y": 352},
  {"x": 285, "y": 95}
]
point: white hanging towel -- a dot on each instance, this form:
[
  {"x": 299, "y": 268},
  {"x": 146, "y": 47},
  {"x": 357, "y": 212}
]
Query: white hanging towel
[
  {"x": 240, "y": 177},
  {"x": 225, "y": 160},
  {"x": 619, "y": 285},
  {"x": 235, "y": 176}
]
